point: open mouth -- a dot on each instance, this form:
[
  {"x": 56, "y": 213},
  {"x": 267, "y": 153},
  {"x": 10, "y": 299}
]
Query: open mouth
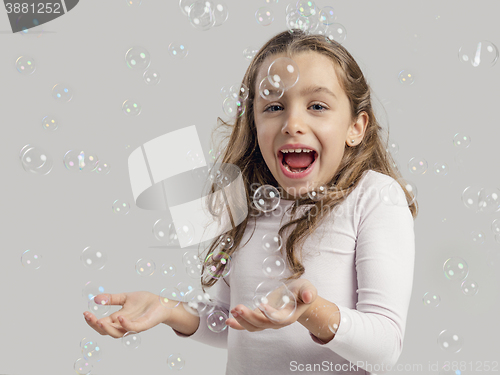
[{"x": 295, "y": 172}]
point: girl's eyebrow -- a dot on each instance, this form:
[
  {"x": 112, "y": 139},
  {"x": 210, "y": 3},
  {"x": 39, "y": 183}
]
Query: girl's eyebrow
[{"x": 315, "y": 89}]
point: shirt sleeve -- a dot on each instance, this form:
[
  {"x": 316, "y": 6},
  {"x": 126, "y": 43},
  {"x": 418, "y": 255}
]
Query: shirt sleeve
[
  {"x": 373, "y": 332},
  {"x": 220, "y": 295}
]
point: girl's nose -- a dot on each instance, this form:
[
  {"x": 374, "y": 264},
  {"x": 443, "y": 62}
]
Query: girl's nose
[{"x": 293, "y": 124}]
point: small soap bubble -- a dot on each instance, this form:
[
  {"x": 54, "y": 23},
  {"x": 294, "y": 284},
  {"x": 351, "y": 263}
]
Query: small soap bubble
[
  {"x": 121, "y": 207},
  {"x": 489, "y": 200},
  {"x": 191, "y": 258},
  {"x": 266, "y": 198},
  {"x": 36, "y": 160},
  {"x": 239, "y": 91},
  {"x": 450, "y": 341},
  {"x": 216, "y": 321},
  {"x": 81, "y": 161},
  {"x": 177, "y": 50},
  {"x": 327, "y": 15},
  {"x": 273, "y": 266},
  {"x": 477, "y": 237},
  {"x": 131, "y": 108},
  {"x": 440, "y": 169},
  {"x": 336, "y": 32},
  {"x": 391, "y": 194},
  {"x": 337, "y": 321},
  {"x": 455, "y": 268},
  {"x": 417, "y": 165},
  {"x": 185, "y": 232},
  {"x": 194, "y": 271},
  {"x": 62, "y": 93},
  {"x": 168, "y": 269},
  {"x": 250, "y": 52},
  {"x": 134, "y": 3},
  {"x": 233, "y": 108},
  {"x": 131, "y": 340},
  {"x": 461, "y": 141},
  {"x": 294, "y": 21},
  {"x": 482, "y": 55},
  {"x": 472, "y": 196},
  {"x": 431, "y": 299},
  {"x": 393, "y": 148},
  {"x": 185, "y": 5},
  {"x": 184, "y": 288},
  {"x": 82, "y": 366},
  {"x": 469, "y": 287},
  {"x": 170, "y": 297},
  {"x": 272, "y": 242},
  {"x": 31, "y": 259},
  {"x": 93, "y": 258},
  {"x": 495, "y": 226},
  {"x": 198, "y": 301},
  {"x": 226, "y": 242},
  {"x": 175, "y": 361},
  {"x": 90, "y": 290},
  {"x": 50, "y": 123},
  {"x": 218, "y": 264},
  {"x": 100, "y": 309},
  {"x": 271, "y": 91},
  {"x": 164, "y": 231},
  {"x": 406, "y": 77},
  {"x": 151, "y": 77},
  {"x": 306, "y": 8},
  {"x": 264, "y": 16},
  {"x": 145, "y": 267},
  {"x": 318, "y": 193},
  {"x": 91, "y": 351},
  {"x": 201, "y": 15},
  {"x": 103, "y": 168},
  {"x": 138, "y": 58},
  {"x": 213, "y": 154},
  {"x": 283, "y": 70},
  {"x": 220, "y": 13},
  {"x": 25, "y": 65}
]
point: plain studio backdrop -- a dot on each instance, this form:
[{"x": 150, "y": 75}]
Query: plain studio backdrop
[{"x": 59, "y": 214}]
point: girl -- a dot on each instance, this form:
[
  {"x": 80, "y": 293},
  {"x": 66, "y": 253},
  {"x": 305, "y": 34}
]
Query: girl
[{"x": 350, "y": 254}]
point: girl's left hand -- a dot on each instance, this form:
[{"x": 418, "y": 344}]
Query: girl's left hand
[{"x": 255, "y": 320}]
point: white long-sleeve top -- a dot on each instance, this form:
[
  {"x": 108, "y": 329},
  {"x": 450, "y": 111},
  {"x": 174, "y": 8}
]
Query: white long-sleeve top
[{"x": 361, "y": 258}]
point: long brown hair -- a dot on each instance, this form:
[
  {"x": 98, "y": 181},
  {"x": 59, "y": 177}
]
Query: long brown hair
[{"x": 240, "y": 147}]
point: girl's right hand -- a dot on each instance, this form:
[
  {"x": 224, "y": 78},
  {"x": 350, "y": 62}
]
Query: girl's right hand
[{"x": 140, "y": 312}]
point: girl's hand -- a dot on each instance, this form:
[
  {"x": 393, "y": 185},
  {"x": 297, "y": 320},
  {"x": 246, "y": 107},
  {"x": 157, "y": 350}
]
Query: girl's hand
[
  {"x": 255, "y": 320},
  {"x": 140, "y": 311}
]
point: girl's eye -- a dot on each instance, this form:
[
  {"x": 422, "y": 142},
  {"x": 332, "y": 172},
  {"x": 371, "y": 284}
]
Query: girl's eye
[
  {"x": 268, "y": 109},
  {"x": 321, "y": 109}
]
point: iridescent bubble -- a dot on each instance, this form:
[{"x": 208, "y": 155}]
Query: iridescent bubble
[
  {"x": 184, "y": 288},
  {"x": 275, "y": 300},
  {"x": 201, "y": 15},
  {"x": 239, "y": 91},
  {"x": 131, "y": 340},
  {"x": 417, "y": 165},
  {"x": 50, "y": 123},
  {"x": 36, "y": 160},
  {"x": 175, "y": 361},
  {"x": 131, "y": 108},
  {"x": 91, "y": 351},
  {"x": 284, "y": 71},
  {"x": 100, "y": 309},
  {"x": 168, "y": 269},
  {"x": 306, "y": 8},
  {"x": 178, "y": 50},
  {"x": 273, "y": 266},
  {"x": 477, "y": 237},
  {"x": 264, "y": 16},
  {"x": 134, "y": 3},
  {"x": 121, "y": 207},
  {"x": 81, "y": 161},
  {"x": 145, "y": 267},
  {"x": 250, "y": 52},
  {"x": 164, "y": 231},
  {"x": 198, "y": 300},
  {"x": 450, "y": 341},
  {"x": 170, "y": 297},
  {"x": 469, "y": 287},
  {"x": 90, "y": 290},
  {"x": 271, "y": 91},
  {"x": 336, "y": 32},
  {"x": 216, "y": 321},
  {"x": 393, "y": 148},
  {"x": 483, "y": 55},
  {"x": 271, "y": 242},
  {"x": 138, "y": 58},
  {"x": 151, "y": 77},
  {"x": 318, "y": 193},
  {"x": 25, "y": 65},
  {"x": 455, "y": 268},
  {"x": 213, "y": 154},
  {"x": 62, "y": 93},
  {"x": 82, "y": 366},
  {"x": 103, "y": 168},
  {"x": 233, "y": 108},
  {"x": 31, "y": 259},
  {"x": 461, "y": 141},
  {"x": 220, "y": 13},
  {"x": 431, "y": 299},
  {"x": 337, "y": 321},
  {"x": 93, "y": 258},
  {"x": 218, "y": 264},
  {"x": 440, "y": 169},
  {"x": 295, "y": 21},
  {"x": 327, "y": 15},
  {"x": 406, "y": 77},
  {"x": 266, "y": 198}
]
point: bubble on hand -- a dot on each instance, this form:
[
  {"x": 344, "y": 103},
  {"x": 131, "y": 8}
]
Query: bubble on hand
[
  {"x": 218, "y": 264},
  {"x": 264, "y": 16},
  {"x": 431, "y": 299},
  {"x": 177, "y": 50},
  {"x": 92, "y": 289},
  {"x": 450, "y": 341},
  {"x": 151, "y": 77},
  {"x": 31, "y": 259},
  {"x": 91, "y": 351},
  {"x": 284, "y": 71},
  {"x": 93, "y": 258},
  {"x": 273, "y": 266},
  {"x": 62, "y": 92},
  {"x": 469, "y": 287},
  {"x": 131, "y": 108},
  {"x": 50, "y": 123},
  {"x": 138, "y": 58},
  {"x": 337, "y": 321},
  {"x": 121, "y": 207},
  {"x": 170, "y": 297},
  {"x": 272, "y": 242},
  {"x": 455, "y": 269},
  {"x": 25, "y": 65},
  {"x": 266, "y": 198},
  {"x": 175, "y": 361},
  {"x": 216, "y": 321},
  {"x": 81, "y": 161},
  {"x": 82, "y": 366},
  {"x": 145, "y": 267},
  {"x": 417, "y": 165},
  {"x": 168, "y": 269},
  {"x": 275, "y": 300},
  {"x": 131, "y": 340},
  {"x": 100, "y": 309}
]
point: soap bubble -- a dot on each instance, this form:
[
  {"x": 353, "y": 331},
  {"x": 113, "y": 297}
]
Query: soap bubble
[
  {"x": 82, "y": 366},
  {"x": 121, "y": 207},
  {"x": 201, "y": 15},
  {"x": 220, "y": 13},
  {"x": 264, "y": 16},
  {"x": 131, "y": 340},
  {"x": 138, "y": 58},
  {"x": 35, "y": 160},
  {"x": 273, "y": 266},
  {"x": 62, "y": 92},
  {"x": 170, "y": 297},
  {"x": 25, "y": 65},
  {"x": 461, "y": 141},
  {"x": 284, "y": 71},
  {"x": 151, "y": 77},
  {"x": 431, "y": 299},
  {"x": 168, "y": 269},
  {"x": 450, "y": 341},
  {"x": 344, "y": 322},
  {"x": 31, "y": 259},
  {"x": 91, "y": 351},
  {"x": 327, "y": 15},
  {"x": 275, "y": 300},
  {"x": 266, "y": 198},
  {"x": 455, "y": 268},
  {"x": 164, "y": 231},
  {"x": 469, "y": 287},
  {"x": 271, "y": 242},
  {"x": 175, "y": 361},
  {"x": 90, "y": 290},
  {"x": 178, "y": 50},
  {"x": 417, "y": 165},
  {"x": 100, "y": 309},
  {"x": 216, "y": 321},
  {"x": 218, "y": 264},
  {"x": 145, "y": 267},
  {"x": 81, "y": 161},
  {"x": 93, "y": 258}
]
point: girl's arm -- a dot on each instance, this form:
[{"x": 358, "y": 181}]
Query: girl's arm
[{"x": 183, "y": 321}]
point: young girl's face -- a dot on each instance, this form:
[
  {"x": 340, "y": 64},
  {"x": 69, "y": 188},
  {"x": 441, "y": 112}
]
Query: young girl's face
[{"x": 314, "y": 113}]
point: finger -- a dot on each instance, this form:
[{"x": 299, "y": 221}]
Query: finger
[
  {"x": 306, "y": 296},
  {"x": 110, "y": 329},
  {"x": 113, "y": 299},
  {"x": 250, "y": 319},
  {"x": 138, "y": 325},
  {"x": 92, "y": 322},
  {"x": 231, "y": 322}
]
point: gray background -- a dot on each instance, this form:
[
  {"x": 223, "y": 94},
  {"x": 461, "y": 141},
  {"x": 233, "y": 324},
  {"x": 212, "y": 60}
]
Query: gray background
[{"x": 58, "y": 215}]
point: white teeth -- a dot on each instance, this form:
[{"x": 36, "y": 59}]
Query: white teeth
[{"x": 296, "y": 150}]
